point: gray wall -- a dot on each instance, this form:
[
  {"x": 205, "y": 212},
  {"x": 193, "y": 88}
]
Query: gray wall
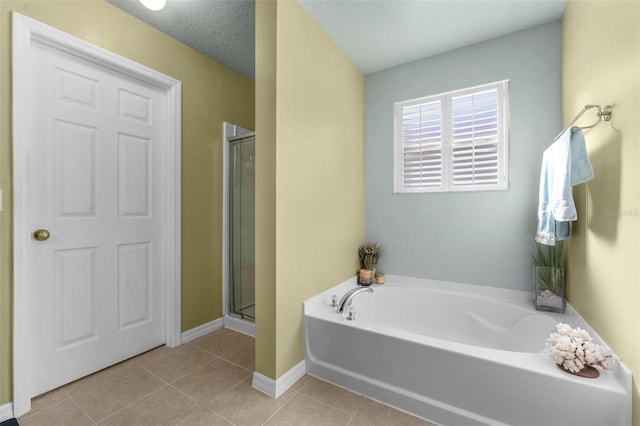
[{"x": 483, "y": 238}]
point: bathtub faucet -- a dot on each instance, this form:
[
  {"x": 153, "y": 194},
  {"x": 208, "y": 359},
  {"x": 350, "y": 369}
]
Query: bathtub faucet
[{"x": 346, "y": 299}]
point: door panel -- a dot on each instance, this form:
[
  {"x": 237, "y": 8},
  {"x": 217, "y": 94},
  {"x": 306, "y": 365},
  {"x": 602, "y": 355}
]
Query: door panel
[
  {"x": 96, "y": 178},
  {"x": 75, "y": 296},
  {"x": 134, "y": 284},
  {"x": 133, "y": 175},
  {"x": 74, "y": 189}
]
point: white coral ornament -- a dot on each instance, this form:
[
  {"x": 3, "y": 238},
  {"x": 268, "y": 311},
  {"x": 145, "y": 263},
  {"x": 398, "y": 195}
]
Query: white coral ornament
[{"x": 573, "y": 349}]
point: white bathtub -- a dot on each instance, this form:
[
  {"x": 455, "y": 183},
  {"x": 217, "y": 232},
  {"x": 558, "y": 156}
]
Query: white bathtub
[{"x": 457, "y": 355}]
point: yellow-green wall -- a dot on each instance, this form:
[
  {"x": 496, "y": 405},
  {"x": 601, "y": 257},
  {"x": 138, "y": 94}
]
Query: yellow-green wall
[
  {"x": 265, "y": 237},
  {"x": 310, "y": 185},
  {"x": 211, "y": 94},
  {"x": 601, "y": 65}
]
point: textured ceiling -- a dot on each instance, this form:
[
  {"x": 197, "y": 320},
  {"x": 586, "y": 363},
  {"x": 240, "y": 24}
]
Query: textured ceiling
[
  {"x": 223, "y": 30},
  {"x": 375, "y": 34}
]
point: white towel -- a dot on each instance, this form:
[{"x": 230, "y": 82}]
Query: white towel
[{"x": 564, "y": 164}]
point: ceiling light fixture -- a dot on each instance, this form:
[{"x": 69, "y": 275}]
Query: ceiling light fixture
[{"x": 154, "y": 4}]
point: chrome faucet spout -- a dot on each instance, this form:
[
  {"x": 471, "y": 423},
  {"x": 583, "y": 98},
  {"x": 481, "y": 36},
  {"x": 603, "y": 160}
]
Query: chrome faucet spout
[{"x": 346, "y": 299}]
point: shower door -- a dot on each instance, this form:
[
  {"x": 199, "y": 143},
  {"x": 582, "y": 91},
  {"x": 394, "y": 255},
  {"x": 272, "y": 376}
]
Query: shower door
[{"x": 242, "y": 227}]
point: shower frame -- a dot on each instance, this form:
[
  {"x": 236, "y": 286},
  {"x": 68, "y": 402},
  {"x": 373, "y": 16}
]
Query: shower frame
[
  {"x": 238, "y": 305},
  {"x": 230, "y": 320}
]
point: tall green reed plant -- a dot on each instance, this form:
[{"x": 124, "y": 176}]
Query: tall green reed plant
[{"x": 549, "y": 261}]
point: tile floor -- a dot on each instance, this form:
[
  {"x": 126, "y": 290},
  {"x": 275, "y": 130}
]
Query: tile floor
[{"x": 204, "y": 382}]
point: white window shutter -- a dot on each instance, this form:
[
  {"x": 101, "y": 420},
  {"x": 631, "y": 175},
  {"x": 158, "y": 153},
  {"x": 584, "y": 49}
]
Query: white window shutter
[
  {"x": 457, "y": 141},
  {"x": 422, "y": 145}
]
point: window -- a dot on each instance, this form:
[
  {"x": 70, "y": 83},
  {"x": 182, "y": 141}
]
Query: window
[{"x": 455, "y": 141}]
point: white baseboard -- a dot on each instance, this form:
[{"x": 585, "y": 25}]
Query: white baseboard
[
  {"x": 6, "y": 411},
  {"x": 275, "y": 388},
  {"x": 201, "y": 330},
  {"x": 235, "y": 324},
  {"x": 240, "y": 326}
]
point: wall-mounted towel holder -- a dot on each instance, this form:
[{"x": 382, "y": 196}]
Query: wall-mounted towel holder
[{"x": 603, "y": 113}]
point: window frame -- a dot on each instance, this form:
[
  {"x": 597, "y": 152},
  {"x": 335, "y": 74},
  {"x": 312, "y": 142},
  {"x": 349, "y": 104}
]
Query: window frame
[{"x": 445, "y": 99}]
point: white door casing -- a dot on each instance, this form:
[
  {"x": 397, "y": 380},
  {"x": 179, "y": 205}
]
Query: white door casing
[{"x": 97, "y": 163}]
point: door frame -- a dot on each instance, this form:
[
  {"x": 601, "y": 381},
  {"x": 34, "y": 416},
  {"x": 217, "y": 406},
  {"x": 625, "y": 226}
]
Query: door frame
[{"x": 26, "y": 32}]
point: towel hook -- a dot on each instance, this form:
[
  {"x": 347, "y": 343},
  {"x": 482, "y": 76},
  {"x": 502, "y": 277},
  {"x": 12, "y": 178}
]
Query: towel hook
[{"x": 602, "y": 114}]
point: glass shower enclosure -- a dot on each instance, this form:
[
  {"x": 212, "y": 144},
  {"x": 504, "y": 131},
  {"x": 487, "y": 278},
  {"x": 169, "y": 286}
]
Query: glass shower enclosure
[{"x": 242, "y": 226}]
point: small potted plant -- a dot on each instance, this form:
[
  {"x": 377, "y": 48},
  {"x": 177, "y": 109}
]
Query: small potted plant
[
  {"x": 549, "y": 278},
  {"x": 369, "y": 254}
]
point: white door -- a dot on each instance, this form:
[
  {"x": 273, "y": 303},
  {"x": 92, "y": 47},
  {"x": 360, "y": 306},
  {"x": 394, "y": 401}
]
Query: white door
[{"x": 96, "y": 186}]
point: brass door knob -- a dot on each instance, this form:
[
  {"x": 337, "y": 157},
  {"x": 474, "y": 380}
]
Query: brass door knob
[{"x": 41, "y": 235}]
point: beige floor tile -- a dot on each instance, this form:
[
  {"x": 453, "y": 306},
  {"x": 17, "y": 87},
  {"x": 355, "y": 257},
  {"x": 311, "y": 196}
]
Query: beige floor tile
[
  {"x": 244, "y": 356},
  {"x": 373, "y": 413},
  {"x": 304, "y": 411},
  {"x": 245, "y": 406},
  {"x": 222, "y": 340},
  {"x": 107, "y": 391},
  {"x": 178, "y": 362},
  {"x": 65, "y": 413},
  {"x": 332, "y": 395},
  {"x": 206, "y": 390},
  {"x": 208, "y": 382},
  {"x": 152, "y": 355},
  {"x": 47, "y": 400},
  {"x": 204, "y": 417},
  {"x": 301, "y": 382},
  {"x": 166, "y": 406}
]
